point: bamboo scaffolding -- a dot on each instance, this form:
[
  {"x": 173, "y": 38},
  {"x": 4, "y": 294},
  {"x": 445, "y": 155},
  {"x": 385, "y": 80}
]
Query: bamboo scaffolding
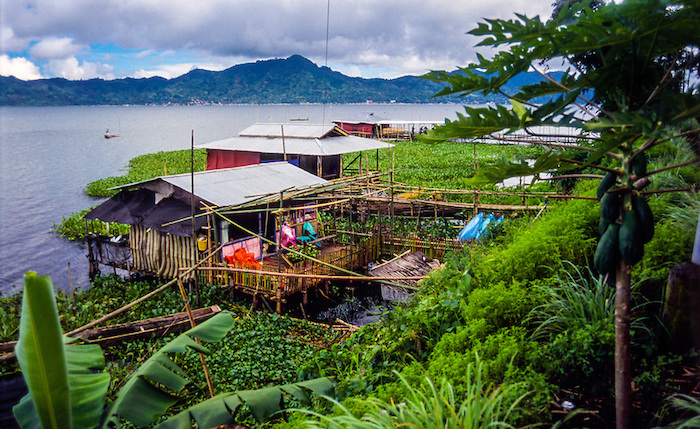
[
  {"x": 448, "y": 204},
  {"x": 308, "y": 276},
  {"x": 139, "y": 300},
  {"x": 473, "y": 191}
]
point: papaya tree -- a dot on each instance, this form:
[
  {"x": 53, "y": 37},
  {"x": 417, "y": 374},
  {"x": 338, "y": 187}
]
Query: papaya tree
[
  {"x": 629, "y": 84},
  {"x": 68, "y": 386}
]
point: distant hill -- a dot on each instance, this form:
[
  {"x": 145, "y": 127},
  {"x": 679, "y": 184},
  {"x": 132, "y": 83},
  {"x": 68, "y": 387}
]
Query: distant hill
[{"x": 291, "y": 80}]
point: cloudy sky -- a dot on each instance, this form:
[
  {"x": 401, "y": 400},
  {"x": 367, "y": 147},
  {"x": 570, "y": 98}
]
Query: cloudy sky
[{"x": 84, "y": 39}]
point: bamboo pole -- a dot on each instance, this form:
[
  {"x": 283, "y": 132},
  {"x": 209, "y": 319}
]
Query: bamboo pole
[
  {"x": 283, "y": 210},
  {"x": 207, "y": 375},
  {"x": 139, "y": 300},
  {"x": 311, "y": 276},
  {"x": 471, "y": 191},
  {"x": 284, "y": 148}
]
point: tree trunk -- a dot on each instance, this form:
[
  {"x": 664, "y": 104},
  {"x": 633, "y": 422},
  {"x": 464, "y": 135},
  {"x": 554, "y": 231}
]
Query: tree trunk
[
  {"x": 623, "y": 360},
  {"x": 680, "y": 315}
]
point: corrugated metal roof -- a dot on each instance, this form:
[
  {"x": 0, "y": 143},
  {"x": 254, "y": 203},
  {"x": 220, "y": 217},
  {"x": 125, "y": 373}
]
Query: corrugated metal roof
[
  {"x": 302, "y": 131},
  {"x": 318, "y": 147},
  {"x": 303, "y": 139},
  {"x": 235, "y": 186}
]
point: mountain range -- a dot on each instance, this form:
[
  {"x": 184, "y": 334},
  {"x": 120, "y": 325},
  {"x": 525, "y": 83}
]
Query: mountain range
[{"x": 289, "y": 80}]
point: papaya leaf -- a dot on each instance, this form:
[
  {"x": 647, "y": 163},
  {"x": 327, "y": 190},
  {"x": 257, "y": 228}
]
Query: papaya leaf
[
  {"x": 520, "y": 110},
  {"x": 504, "y": 169}
]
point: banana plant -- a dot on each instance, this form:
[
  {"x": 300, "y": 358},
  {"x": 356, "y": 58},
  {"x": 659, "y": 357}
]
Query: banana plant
[{"x": 68, "y": 386}]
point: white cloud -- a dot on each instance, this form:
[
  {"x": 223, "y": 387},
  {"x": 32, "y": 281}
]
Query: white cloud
[
  {"x": 9, "y": 42},
  {"x": 353, "y": 71},
  {"x": 143, "y": 54},
  {"x": 21, "y": 68},
  {"x": 71, "y": 68},
  {"x": 170, "y": 71},
  {"x": 53, "y": 48},
  {"x": 405, "y": 36}
]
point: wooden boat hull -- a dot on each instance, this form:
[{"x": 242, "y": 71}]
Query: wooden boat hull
[{"x": 111, "y": 335}]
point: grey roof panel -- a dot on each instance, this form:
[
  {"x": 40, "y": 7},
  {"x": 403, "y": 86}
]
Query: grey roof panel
[
  {"x": 235, "y": 186},
  {"x": 304, "y": 131},
  {"x": 300, "y": 146}
]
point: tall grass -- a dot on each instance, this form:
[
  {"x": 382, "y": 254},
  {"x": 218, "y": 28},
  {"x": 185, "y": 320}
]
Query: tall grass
[
  {"x": 430, "y": 407},
  {"x": 689, "y": 407},
  {"x": 573, "y": 301}
]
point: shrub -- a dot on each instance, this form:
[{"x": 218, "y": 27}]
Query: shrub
[
  {"x": 567, "y": 232},
  {"x": 573, "y": 301},
  {"x": 73, "y": 227},
  {"x": 426, "y": 406}
]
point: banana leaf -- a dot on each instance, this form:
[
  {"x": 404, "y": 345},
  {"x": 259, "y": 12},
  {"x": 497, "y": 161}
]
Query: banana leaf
[
  {"x": 263, "y": 404},
  {"x": 155, "y": 385},
  {"x": 67, "y": 387}
]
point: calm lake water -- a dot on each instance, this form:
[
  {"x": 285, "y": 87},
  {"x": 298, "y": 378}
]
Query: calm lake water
[{"x": 49, "y": 154}]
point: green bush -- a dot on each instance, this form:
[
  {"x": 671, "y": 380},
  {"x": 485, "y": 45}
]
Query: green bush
[
  {"x": 573, "y": 300},
  {"x": 500, "y": 304},
  {"x": 568, "y": 231},
  {"x": 670, "y": 246},
  {"x": 582, "y": 357}
]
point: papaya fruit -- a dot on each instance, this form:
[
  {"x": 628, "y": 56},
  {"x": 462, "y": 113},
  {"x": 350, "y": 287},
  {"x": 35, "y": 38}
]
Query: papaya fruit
[
  {"x": 606, "y": 183},
  {"x": 607, "y": 254},
  {"x": 603, "y": 225},
  {"x": 645, "y": 216},
  {"x": 630, "y": 238},
  {"x": 610, "y": 207}
]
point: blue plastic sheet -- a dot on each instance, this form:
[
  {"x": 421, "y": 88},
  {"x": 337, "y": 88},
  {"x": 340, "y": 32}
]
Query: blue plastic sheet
[
  {"x": 478, "y": 226},
  {"x": 471, "y": 229}
]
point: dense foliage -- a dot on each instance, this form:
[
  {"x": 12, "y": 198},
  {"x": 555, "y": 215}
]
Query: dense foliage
[{"x": 528, "y": 316}]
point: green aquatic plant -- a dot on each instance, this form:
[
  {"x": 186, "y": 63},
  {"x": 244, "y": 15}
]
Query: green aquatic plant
[
  {"x": 74, "y": 226},
  {"x": 68, "y": 386},
  {"x": 149, "y": 166}
]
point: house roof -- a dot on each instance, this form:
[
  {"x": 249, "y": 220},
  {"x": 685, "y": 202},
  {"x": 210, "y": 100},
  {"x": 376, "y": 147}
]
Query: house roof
[
  {"x": 164, "y": 203},
  {"x": 299, "y": 139},
  {"x": 293, "y": 130},
  {"x": 233, "y": 186}
]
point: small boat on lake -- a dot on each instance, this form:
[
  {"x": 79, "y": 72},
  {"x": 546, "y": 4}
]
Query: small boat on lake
[{"x": 108, "y": 135}]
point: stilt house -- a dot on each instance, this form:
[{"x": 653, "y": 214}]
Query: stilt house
[
  {"x": 314, "y": 148},
  {"x": 160, "y": 211}
]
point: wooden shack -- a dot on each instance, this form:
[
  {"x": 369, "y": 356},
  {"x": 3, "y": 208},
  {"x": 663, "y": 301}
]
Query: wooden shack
[
  {"x": 385, "y": 129},
  {"x": 163, "y": 237},
  {"x": 314, "y": 148},
  {"x": 240, "y": 210}
]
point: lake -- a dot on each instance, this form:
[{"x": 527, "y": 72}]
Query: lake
[{"x": 49, "y": 154}]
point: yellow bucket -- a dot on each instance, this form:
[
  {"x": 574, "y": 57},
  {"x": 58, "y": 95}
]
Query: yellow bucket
[{"x": 202, "y": 244}]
